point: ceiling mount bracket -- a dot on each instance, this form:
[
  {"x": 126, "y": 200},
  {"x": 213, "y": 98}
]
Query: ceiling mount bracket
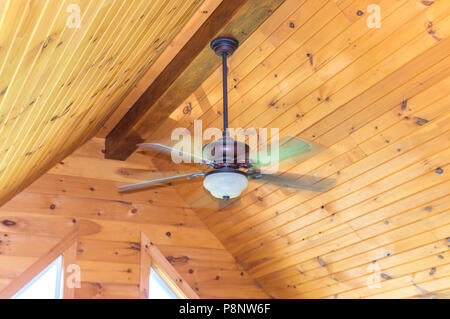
[{"x": 224, "y": 46}]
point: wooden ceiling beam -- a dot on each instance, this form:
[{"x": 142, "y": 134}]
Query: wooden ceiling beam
[{"x": 185, "y": 73}]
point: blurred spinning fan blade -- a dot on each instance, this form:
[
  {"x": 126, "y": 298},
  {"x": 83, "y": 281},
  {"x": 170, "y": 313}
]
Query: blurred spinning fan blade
[
  {"x": 151, "y": 174},
  {"x": 186, "y": 157},
  {"x": 288, "y": 147},
  {"x": 149, "y": 183},
  {"x": 296, "y": 181}
]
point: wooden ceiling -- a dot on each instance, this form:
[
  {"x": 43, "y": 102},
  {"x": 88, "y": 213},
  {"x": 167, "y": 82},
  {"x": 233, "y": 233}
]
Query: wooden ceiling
[
  {"x": 377, "y": 99},
  {"x": 60, "y": 83}
]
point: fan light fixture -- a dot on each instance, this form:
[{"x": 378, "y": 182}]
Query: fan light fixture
[{"x": 225, "y": 185}]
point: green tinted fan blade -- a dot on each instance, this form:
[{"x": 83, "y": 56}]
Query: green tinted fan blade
[{"x": 288, "y": 148}]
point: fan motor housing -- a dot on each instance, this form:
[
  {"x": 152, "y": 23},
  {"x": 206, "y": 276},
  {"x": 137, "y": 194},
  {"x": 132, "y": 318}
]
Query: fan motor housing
[
  {"x": 226, "y": 152},
  {"x": 226, "y": 170}
]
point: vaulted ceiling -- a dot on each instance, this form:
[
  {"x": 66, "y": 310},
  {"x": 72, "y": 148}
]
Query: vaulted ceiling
[{"x": 375, "y": 98}]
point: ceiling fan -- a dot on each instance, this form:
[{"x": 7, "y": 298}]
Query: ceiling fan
[{"x": 231, "y": 168}]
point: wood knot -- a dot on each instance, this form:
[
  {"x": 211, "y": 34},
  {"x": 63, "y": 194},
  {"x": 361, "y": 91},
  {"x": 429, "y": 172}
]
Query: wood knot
[
  {"x": 385, "y": 276},
  {"x": 311, "y": 58},
  {"x": 321, "y": 261},
  {"x": 178, "y": 260},
  {"x": 420, "y": 121},
  {"x": 427, "y": 2},
  {"x": 8, "y": 223},
  {"x": 431, "y": 31},
  {"x": 136, "y": 246},
  {"x": 404, "y": 104}
]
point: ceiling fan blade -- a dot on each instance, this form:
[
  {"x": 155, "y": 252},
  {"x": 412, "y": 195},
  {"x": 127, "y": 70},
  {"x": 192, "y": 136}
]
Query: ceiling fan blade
[
  {"x": 192, "y": 158},
  {"x": 157, "y": 181},
  {"x": 296, "y": 181},
  {"x": 152, "y": 174},
  {"x": 289, "y": 147}
]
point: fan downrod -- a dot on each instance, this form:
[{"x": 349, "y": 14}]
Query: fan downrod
[{"x": 224, "y": 46}]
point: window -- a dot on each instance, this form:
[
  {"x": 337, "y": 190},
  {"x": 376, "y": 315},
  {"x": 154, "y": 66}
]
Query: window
[
  {"x": 158, "y": 288},
  {"x": 158, "y": 278},
  {"x": 47, "y": 285}
]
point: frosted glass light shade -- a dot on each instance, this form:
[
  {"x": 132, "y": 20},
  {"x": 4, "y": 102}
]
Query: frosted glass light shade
[{"x": 226, "y": 184}]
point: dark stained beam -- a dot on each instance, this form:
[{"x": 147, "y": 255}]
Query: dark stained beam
[{"x": 186, "y": 72}]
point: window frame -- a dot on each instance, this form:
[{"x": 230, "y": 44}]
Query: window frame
[
  {"x": 58, "y": 291},
  {"x": 66, "y": 245},
  {"x": 152, "y": 258},
  {"x": 156, "y": 279}
]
